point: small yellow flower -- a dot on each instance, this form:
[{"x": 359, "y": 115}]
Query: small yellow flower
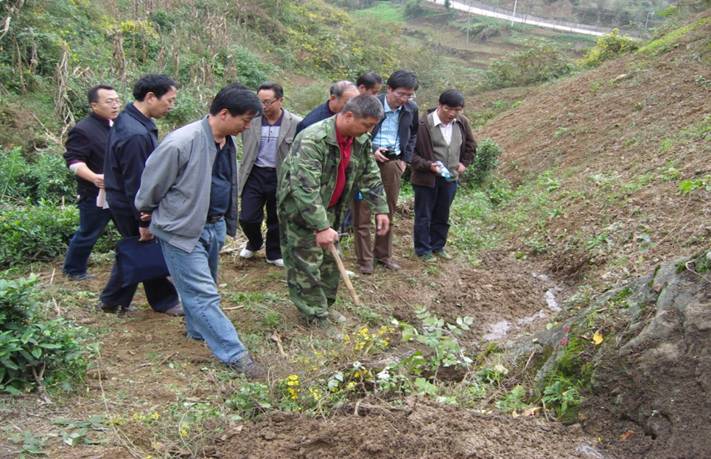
[
  {"x": 184, "y": 432},
  {"x": 351, "y": 385}
]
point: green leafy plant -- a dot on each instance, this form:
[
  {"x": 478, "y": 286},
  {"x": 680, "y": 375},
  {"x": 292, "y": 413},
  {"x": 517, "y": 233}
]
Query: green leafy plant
[
  {"x": 44, "y": 178},
  {"x": 607, "y": 47},
  {"x": 486, "y": 161},
  {"x": 514, "y": 400},
  {"x": 538, "y": 63},
  {"x": 35, "y": 350}
]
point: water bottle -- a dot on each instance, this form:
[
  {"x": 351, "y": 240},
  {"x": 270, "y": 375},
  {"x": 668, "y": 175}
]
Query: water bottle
[{"x": 444, "y": 172}]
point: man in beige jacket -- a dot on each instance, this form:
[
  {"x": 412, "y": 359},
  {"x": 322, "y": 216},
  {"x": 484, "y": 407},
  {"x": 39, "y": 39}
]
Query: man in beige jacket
[{"x": 266, "y": 143}]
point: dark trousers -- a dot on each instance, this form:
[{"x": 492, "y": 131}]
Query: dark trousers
[
  {"x": 92, "y": 222},
  {"x": 160, "y": 293},
  {"x": 258, "y": 192},
  {"x": 432, "y": 215}
]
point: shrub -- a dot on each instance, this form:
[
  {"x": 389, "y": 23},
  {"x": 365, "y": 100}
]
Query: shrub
[
  {"x": 607, "y": 47},
  {"x": 414, "y": 9},
  {"x": 538, "y": 63},
  {"x": 44, "y": 178},
  {"x": 485, "y": 161},
  {"x": 35, "y": 233},
  {"x": 35, "y": 350}
]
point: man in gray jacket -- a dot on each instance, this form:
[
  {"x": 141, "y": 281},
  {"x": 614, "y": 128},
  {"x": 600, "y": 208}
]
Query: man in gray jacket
[
  {"x": 189, "y": 193},
  {"x": 266, "y": 143}
]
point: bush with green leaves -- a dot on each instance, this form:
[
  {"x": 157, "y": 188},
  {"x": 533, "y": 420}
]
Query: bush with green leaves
[
  {"x": 536, "y": 64},
  {"x": 485, "y": 162},
  {"x": 607, "y": 47},
  {"x": 43, "y": 177},
  {"x": 36, "y": 350},
  {"x": 35, "y": 233}
]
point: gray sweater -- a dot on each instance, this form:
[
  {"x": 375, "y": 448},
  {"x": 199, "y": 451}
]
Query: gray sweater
[{"x": 175, "y": 186}]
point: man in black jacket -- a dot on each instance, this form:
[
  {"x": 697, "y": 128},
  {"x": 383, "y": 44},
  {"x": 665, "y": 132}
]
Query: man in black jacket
[
  {"x": 132, "y": 139},
  {"x": 85, "y": 148},
  {"x": 393, "y": 143}
]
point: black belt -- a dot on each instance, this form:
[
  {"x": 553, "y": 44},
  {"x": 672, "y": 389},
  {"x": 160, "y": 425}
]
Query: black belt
[{"x": 214, "y": 219}]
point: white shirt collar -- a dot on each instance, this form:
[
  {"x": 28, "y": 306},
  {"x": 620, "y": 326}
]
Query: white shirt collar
[{"x": 436, "y": 121}]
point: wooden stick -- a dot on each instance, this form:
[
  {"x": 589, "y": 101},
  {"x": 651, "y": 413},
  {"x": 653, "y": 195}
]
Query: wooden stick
[{"x": 342, "y": 269}]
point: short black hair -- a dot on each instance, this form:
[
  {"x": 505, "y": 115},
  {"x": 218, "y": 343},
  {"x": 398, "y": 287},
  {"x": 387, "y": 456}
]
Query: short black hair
[
  {"x": 271, "y": 86},
  {"x": 452, "y": 98},
  {"x": 369, "y": 80},
  {"x": 158, "y": 84},
  {"x": 93, "y": 93},
  {"x": 237, "y": 101},
  {"x": 403, "y": 79}
]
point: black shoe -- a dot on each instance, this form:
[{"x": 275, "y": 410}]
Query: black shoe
[
  {"x": 80, "y": 277},
  {"x": 248, "y": 367},
  {"x": 107, "y": 309}
]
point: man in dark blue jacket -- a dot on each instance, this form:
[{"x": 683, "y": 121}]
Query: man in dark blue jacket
[
  {"x": 340, "y": 93},
  {"x": 393, "y": 144},
  {"x": 86, "y": 145},
  {"x": 132, "y": 139}
]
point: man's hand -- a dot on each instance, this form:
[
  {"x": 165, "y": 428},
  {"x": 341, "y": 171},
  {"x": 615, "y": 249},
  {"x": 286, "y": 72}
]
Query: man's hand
[
  {"x": 379, "y": 156},
  {"x": 144, "y": 234},
  {"x": 382, "y": 224},
  {"x": 461, "y": 168},
  {"x": 145, "y": 216},
  {"x": 435, "y": 168},
  {"x": 326, "y": 237},
  {"x": 99, "y": 180}
]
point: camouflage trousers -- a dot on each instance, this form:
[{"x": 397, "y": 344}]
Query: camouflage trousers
[{"x": 311, "y": 272}]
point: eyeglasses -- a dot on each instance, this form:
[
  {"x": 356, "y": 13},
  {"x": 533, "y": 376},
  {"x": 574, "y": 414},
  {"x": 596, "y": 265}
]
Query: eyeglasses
[
  {"x": 404, "y": 95},
  {"x": 112, "y": 101},
  {"x": 268, "y": 102}
]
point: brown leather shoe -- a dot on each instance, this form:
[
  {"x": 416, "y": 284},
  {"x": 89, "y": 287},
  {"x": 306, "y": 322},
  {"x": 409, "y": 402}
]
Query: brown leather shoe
[{"x": 389, "y": 264}]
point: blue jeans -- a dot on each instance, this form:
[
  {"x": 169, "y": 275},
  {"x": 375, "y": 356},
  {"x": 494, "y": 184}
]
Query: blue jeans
[
  {"x": 92, "y": 222},
  {"x": 195, "y": 277},
  {"x": 432, "y": 215}
]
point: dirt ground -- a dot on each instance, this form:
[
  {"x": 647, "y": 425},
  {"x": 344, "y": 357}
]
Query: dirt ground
[{"x": 146, "y": 363}]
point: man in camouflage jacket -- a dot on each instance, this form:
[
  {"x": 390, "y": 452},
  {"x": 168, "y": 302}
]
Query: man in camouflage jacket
[{"x": 328, "y": 160}]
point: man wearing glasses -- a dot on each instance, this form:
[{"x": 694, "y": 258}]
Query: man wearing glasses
[
  {"x": 266, "y": 143},
  {"x": 86, "y": 145},
  {"x": 393, "y": 144}
]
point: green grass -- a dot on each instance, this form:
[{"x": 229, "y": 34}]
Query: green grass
[
  {"x": 382, "y": 11},
  {"x": 668, "y": 41}
]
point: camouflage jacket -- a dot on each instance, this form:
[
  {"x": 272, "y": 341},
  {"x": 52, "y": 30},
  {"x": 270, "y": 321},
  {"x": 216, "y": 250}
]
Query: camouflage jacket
[{"x": 307, "y": 177}]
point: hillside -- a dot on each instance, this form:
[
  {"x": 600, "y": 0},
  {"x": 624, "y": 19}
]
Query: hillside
[{"x": 622, "y": 152}]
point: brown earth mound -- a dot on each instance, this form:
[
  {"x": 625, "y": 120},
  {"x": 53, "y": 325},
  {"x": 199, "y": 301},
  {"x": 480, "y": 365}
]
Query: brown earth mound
[
  {"x": 619, "y": 139},
  {"x": 419, "y": 431}
]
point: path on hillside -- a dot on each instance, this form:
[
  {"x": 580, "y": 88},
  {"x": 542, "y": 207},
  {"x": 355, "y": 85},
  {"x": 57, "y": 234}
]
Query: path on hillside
[{"x": 526, "y": 19}]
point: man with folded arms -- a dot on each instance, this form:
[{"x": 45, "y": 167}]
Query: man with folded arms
[{"x": 189, "y": 194}]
